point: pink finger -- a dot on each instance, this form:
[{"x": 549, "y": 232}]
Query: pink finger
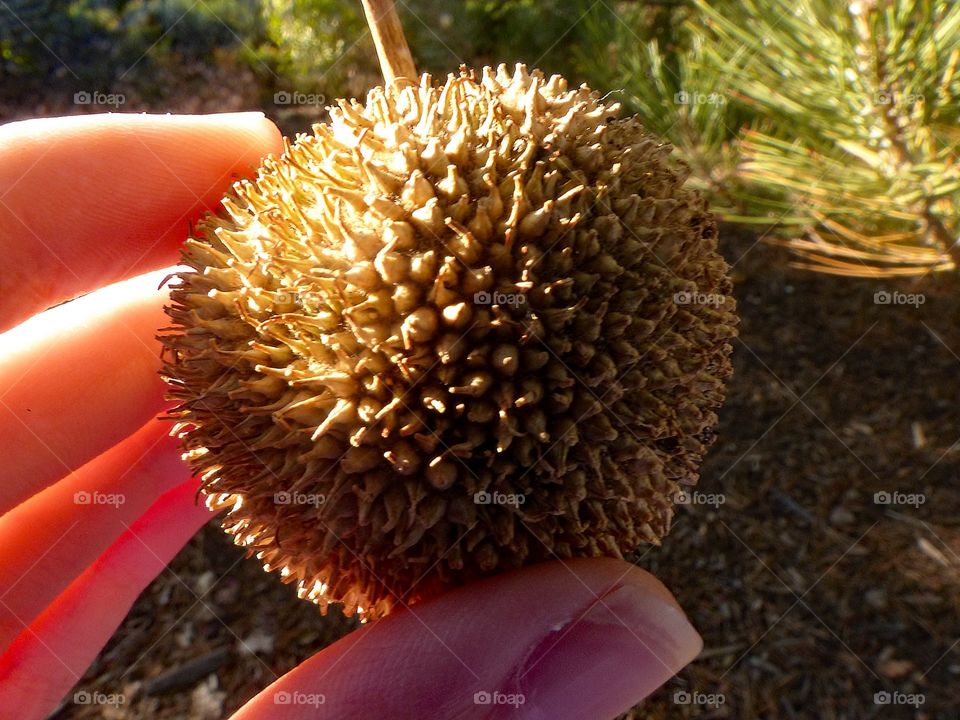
[
  {"x": 49, "y": 656},
  {"x": 89, "y": 200},
  {"x": 51, "y": 538},
  {"x": 579, "y": 640},
  {"x": 76, "y": 380}
]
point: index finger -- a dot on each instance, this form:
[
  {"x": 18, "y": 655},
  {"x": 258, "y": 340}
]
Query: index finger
[{"x": 89, "y": 200}]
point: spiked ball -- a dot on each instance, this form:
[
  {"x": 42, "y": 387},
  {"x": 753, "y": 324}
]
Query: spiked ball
[{"x": 458, "y": 329}]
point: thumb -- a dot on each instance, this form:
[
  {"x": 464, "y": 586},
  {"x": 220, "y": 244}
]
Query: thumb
[{"x": 577, "y": 639}]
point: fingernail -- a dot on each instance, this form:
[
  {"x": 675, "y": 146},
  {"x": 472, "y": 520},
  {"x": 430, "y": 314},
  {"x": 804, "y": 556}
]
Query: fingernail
[{"x": 606, "y": 659}]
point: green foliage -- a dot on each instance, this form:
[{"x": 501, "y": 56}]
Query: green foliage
[
  {"x": 51, "y": 39},
  {"x": 188, "y": 28},
  {"x": 836, "y": 119},
  {"x": 477, "y": 32},
  {"x": 653, "y": 60},
  {"x": 319, "y": 42},
  {"x": 324, "y": 45},
  {"x": 863, "y": 107},
  {"x": 311, "y": 46},
  {"x": 92, "y": 44}
]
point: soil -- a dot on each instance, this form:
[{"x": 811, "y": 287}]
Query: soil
[{"x": 811, "y": 593}]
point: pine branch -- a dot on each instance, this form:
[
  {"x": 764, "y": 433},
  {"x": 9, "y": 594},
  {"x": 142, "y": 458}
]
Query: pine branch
[
  {"x": 837, "y": 122},
  {"x": 653, "y": 63},
  {"x": 862, "y": 107}
]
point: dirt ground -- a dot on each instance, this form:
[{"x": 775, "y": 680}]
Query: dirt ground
[{"x": 812, "y": 595}]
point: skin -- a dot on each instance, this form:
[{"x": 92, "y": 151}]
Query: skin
[{"x": 94, "y": 500}]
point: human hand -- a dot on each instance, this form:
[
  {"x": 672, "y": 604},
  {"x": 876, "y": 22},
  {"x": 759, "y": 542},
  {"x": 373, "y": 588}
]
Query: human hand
[{"x": 97, "y": 501}]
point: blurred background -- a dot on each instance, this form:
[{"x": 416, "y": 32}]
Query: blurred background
[{"x": 820, "y": 555}]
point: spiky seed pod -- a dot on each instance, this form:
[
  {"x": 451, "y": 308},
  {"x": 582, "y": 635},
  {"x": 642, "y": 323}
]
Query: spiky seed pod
[{"x": 458, "y": 329}]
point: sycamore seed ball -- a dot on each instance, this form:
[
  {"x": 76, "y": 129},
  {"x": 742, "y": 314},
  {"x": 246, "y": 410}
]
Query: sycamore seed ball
[{"x": 459, "y": 329}]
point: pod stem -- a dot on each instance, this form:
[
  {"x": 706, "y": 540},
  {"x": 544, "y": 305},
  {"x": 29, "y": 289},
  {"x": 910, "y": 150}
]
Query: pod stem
[{"x": 396, "y": 62}]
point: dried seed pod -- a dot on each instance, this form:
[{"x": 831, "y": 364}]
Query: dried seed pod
[{"x": 460, "y": 328}]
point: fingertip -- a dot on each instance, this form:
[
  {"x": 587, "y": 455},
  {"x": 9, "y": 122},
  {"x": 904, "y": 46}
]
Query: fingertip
[
  {"x": 86, "y": 201},
  {"x": 609, "y": 655},
  {"x": 604, "y": 634},
  {"x": 579, "y": 639},
  {"x": 20, "y": 134}
]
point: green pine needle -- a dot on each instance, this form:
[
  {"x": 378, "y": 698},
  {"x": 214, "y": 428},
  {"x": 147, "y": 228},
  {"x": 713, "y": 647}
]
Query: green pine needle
[{"x": 839, "y": 120}]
